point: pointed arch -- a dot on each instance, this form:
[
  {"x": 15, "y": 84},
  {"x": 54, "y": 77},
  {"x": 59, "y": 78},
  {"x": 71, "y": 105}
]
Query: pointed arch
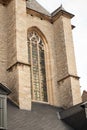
[
  {"x": 47, "y": 92},
  {"x": 36, "y": 29}
]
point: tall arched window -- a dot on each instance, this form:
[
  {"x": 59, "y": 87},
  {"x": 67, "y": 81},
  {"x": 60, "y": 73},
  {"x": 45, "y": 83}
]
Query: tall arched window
[{"x": 38, "y": 71}]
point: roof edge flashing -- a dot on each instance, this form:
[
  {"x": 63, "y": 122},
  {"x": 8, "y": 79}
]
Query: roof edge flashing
[{"x": 4, "y": 89}]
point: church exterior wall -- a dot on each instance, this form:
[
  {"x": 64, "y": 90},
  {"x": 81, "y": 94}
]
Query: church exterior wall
[
  {"x": 44, "y": 27},
  {"x": 62, "y": 79},
  {"x": 18, "y": 69},
  {"x": 11, "y": 34},
  {"x": 3, "y": 45},
  {"x": 67, "y": 79},
  {"x": 62, "y": 61}
]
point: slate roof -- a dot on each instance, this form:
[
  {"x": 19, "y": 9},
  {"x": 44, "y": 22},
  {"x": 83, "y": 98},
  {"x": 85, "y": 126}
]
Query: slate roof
[
  {"x": 76, "y": 116},
  {"x": 34, "y": 5},
  {"x": 42, "y": 117},
  {"x": 57, "y": 10}
]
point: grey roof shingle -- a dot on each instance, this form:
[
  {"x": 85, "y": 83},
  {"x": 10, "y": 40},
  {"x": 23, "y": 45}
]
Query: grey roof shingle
[
  {"x": 75, "y": 116},
  {"x": 34, "y": 5},
  {"x": 57, "y": 10},
  {"x": 42, "y": 117}
]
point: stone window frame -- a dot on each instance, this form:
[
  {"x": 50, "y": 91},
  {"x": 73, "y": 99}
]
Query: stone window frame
[
  {"x": 48, "y": 64},
  {"x": 38, "y": 70}
]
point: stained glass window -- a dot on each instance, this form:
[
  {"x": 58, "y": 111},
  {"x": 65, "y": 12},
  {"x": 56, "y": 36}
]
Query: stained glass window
[
  {"x": 38, "y": 70},
  {"x": 3, "y": 124}
]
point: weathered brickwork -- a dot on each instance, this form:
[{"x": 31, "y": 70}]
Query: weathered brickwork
[
  {"x": 84, "y": 96},
  {"x": 65, "y": 61},
  {"x": 65, "y": 92},
  {"x": 13, "y": 83},
  {"x": 44, "y": 27},
  {"x": 76, "y": 94},
  {"x": 3, "y": 45},
  {"x": 24, "y": 87},
  {"x": 61, "y": 68},
  {"x": 18, "y": 52},
  {"x": 62, "y": 80},
  {"x": 12, "y": 71},
  {"x": 69, "y": 46},
  {"x": 11, "y": 34}
]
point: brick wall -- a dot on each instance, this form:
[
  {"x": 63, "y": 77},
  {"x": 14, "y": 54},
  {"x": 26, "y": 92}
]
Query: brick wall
[
  {"x": 68, "y": 82},
  {"x": 62, "y": 80},
  {"x": 17, "y": 65},
  {"x": 3, "y": 44}
]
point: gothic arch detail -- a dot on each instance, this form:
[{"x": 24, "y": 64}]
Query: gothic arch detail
[{"x": 37, "y": 59}]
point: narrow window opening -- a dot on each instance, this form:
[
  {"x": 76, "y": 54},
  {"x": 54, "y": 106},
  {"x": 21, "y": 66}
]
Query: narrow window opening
[
  {"x": 38, "y": 70},
  {"x": 3, "y": 114}
]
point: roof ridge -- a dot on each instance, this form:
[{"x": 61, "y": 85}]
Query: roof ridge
[{"x": 57, "y": 10}]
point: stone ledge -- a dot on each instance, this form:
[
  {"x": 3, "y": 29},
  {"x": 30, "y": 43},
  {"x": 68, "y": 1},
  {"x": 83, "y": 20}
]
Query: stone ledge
[
  {"x": 73, "y": 76},
  {"x": 17, "y": 63}
]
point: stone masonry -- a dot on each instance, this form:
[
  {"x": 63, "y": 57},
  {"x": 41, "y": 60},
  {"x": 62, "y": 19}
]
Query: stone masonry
[{"x": 62, "y": 81}]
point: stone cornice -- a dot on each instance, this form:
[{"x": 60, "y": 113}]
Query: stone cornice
[
  {"x": 38, "y": 14},
  {"x": 61, "y": 13},
  {"x": 73, "y": 76},
  {"x": 17, "y": 63},
  {"x": 53, "y": 17}
]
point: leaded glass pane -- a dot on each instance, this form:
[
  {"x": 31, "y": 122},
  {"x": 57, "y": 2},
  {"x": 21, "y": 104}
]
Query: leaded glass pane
[
  {"x": 29, "y": 54},
  {"x": 43, "y": 75},
  {"x": 2, "y": 113},
  {"x": 38, "y": 72}
]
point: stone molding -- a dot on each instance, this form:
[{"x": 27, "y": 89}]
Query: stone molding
[
  {"x": 73, "y": 76},
  {"x": 17, "y": 63},
  {"x": 51, "y": 18}
]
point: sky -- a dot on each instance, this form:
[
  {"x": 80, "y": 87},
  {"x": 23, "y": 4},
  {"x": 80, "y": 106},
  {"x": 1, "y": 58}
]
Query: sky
[{"x": 79, "y": 9}]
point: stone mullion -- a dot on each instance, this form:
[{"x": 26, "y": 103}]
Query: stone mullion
[
  {"x": 48, "y": 74},
  {"x": 31, "y": 70},
  {"x": 45, "y": 71},
  {"x": 39, "y": 70},
  {"x": 1, "y": 112}
]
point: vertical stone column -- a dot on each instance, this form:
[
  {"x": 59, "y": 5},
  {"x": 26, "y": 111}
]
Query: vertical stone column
[
  {"x": 18, "y": 66},
  {"x": 3, "y": 44},
  {"x": 12, "y": 71},
  {"x": 68, "y": 82},
  {"x": 22, "y": 55}
]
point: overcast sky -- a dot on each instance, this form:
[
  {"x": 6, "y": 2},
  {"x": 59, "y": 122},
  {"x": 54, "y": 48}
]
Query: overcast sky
[{"x": 79, "y": 9}]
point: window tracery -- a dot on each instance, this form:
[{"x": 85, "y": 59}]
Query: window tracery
[{"x": 38, "y": 71}]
